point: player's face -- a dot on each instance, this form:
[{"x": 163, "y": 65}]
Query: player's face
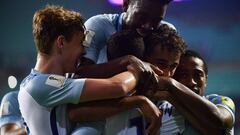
[
  {"x": 144, "y": 16},
  {"x": 190, "y": 72},
  {"x": 165, "y": 59},
  {"x": 73, "y": 52}
]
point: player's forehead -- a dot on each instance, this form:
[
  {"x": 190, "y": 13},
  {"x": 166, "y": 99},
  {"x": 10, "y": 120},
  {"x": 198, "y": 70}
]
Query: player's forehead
[
  {"x": 146, "y": 3},
  {"x": 148, "y": 7},
  {"x": 191, "y": 63},
  {"x": 169, "y": 54}
]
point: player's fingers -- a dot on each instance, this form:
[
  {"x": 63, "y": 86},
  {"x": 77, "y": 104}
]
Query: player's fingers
[{"x": 157, "y": 70}]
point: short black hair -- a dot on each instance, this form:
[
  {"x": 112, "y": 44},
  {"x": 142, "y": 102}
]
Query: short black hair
[
  {"x": 166, "y": 37},
  {"x": 192, "y": 53},
  {"x": 123, "y": 43}
]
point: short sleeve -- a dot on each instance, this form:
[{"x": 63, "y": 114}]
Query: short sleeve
[
  {"x": 56, "y": 90},
  {"x": 9, "y": 111},
  {"x": 97, "y": 25},
  {"x": 223, "y": 101}
]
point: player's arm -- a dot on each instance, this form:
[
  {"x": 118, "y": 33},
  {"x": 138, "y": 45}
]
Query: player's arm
[
  {"x": 10, "y": 116},
  {"x": 114, "y": 87},
  {"x": 97, "y": 27},
  {"x": 203, "y": 128},
  {"x": 120, "y": 84},
  {"x": 103, "y": 70},
  {"x": 89, "y": 69},
  {"x": 12, "y": 129},
  {"x": 98, "y": 110},
  {"x": 197, "y": 106}
]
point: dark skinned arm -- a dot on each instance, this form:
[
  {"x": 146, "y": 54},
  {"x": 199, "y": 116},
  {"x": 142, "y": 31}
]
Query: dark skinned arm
[
  {"x": 203, "y": 128},
  {"x": 91, "y": 70},
  {"x": 200, "y": 112},
  {"x": 105, "y": 70}
]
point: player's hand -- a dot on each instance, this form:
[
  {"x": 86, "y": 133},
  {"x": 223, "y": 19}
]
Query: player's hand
[
  {"x": 152, "y": 115},
  {"x": 146, "y": 73},
  {"x": 150, "y": 80},
  {"x": 164, "y": 84}
]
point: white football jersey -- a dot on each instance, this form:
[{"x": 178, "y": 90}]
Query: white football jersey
[
  {"x": 43, "y": 99},
  {"x": 129, "y": 122}
]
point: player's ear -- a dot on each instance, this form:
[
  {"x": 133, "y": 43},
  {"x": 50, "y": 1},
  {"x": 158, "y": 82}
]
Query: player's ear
[
  {"x": 59, "y": 43},
  {"x": 206, "y": 81},
  {"x": 125, "y": 5}
]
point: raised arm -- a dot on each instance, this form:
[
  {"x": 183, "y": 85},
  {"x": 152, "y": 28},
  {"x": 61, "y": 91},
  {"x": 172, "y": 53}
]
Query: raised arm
[
  {"x": 104, "y": 70},
  {"x": 198, "y": 110}
]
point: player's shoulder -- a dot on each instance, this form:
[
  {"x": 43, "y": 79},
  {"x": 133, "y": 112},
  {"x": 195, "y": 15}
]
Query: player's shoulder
[
  {"x": 9, "y": 104},
  {"x": 39, "y": 80},
  {"x": 10, "y": 97},
  {"x": 35, "y": 78},
  {"x": 101, "y": 19},
  {"x": 39, "y": 85},
  {"x": 211, "y": 97},
  {"x": 221, "y": 100}
]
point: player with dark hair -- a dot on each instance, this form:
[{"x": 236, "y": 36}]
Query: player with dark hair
[
  {"x": 123, "y": 43},
  {"x": 167, "y": 40},
  {"x": 210, "y": 114},
  {"x": 184, "y": 105},
  {"x": 143, "y": 16},
  {"x": 128, "y": 121},
  {"x": 163, "y": 49}
]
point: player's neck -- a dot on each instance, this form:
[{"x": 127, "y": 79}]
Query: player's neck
[{"x": 48, "y": 64}]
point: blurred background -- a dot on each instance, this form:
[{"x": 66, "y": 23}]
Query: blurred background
[{"x": 212, "y": 27}]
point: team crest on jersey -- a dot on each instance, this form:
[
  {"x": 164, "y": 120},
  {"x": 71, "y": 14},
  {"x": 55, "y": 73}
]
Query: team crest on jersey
[{"x": 55, "y": 81}]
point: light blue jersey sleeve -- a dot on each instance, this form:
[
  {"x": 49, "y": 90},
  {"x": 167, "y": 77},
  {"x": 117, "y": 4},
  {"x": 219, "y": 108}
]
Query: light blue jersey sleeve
[
  {"x": 223, "y": 101},
  {"x": 101, "y": 28},
  {"x": 52, "y": 90},
  {"x": 9, "y": 111}
]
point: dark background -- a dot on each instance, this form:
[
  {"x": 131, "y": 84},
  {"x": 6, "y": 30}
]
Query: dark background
[{"x": 212, "y": 27}]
